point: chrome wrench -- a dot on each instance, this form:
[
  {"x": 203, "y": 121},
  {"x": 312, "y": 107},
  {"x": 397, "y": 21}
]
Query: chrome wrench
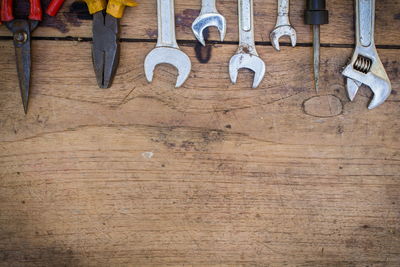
[
  {"x": 365, "y": 66},
  {"x": 167, "y": 49},
  {"x": 246, "y": 55},
  {"x": 283, "y": 26},
  {"x": 209, "y": 16}
]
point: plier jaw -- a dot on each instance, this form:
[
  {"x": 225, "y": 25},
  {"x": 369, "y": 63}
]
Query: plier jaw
[{"x": 105, "y": 28}]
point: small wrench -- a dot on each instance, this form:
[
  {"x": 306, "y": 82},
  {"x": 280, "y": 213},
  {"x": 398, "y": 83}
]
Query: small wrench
[
  {"x": 246, "y": 56},
  {"x": 167, "y": 49},
  {"x": 283, "y": 26},
  {"x": 209, "y": 16},
  {"x": 365, "y": 66}
]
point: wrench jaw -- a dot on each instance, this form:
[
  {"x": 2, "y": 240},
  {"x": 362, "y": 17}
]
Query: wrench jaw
[
  {"x": 171, "y": 56},
  {"x": 280, "y": 31},
  {"x": 366, "y": 68},
  {"x": 209, "y": 20},
  {"x": 249, "y": 61}
]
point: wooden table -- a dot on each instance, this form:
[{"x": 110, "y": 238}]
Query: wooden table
[{"x": 207, "y": 174}]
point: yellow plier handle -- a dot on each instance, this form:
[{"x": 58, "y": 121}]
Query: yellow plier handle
[{"x": 114, "y": 7}]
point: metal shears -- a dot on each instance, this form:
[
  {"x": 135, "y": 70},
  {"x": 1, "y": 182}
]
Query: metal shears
[{"x": 21, "y": 30}]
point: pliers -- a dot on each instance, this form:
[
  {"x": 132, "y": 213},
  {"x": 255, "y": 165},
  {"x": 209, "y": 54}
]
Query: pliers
[
  {"x": 21, "y": 30},
  {"x": 105, "y": 48}
]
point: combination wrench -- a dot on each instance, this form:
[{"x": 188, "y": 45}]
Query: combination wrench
[
  {"x": 365, "y": 66},
  {"x": 246, "y": 55},
  {"x": 209, "y": 17},
  {"x": 283, "y": 26},
  {"x": 167, "y": 49}
]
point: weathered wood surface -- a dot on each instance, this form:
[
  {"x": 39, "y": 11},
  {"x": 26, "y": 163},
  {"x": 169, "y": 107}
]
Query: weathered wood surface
[
  {"x": 141, "y": 22},
  {"x": 207, "y": 174}
]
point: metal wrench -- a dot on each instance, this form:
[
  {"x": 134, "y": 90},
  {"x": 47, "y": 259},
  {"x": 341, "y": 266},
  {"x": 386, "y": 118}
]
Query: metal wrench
[
  {"x": 167, "y": 50},
  {"x": 283, "y": 26},
  {"x": 209, "y": 16},
  {"x": 365, "y": 66},
  {"x": 246, "y": 56}
]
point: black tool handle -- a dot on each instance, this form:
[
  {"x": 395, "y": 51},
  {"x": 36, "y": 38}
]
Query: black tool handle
[{"x": 316, "y": 13}]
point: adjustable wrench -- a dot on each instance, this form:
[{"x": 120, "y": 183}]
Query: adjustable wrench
[
  {"x": 167, "y": 49},
  {"x": 365, "y": 66},
  {"x": 283, "y": 27},
  {"x": 209, "y": 16},
  {"x": 246, "y": 55}
]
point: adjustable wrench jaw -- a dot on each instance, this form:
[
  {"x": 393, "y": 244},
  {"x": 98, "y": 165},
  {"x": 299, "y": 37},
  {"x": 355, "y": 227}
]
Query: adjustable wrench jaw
[
  {"x": 365, "y": 66},
  {"x": 373, "y": 75}
]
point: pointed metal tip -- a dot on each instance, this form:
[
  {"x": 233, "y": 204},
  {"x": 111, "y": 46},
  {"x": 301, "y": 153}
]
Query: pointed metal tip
[{"x": 25, "y": 104}]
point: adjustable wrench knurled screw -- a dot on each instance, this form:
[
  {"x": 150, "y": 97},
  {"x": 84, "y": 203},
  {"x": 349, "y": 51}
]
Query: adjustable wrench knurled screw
[
  {"x": 167, "y": 49},
  {"x": 246, "y": 55},
  {"x": 365, "y": 66},
  {"x": 283, "y": 26}
]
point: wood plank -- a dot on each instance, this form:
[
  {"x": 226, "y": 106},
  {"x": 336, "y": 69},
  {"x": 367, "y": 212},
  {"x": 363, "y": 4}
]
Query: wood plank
[
  {"x": 141, "y": 22},
  {"x": 210, "y": 173}
]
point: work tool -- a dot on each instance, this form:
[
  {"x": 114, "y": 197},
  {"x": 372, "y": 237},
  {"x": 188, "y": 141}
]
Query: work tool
[
  {"x": 54, "y": 7},
  {"x": 105, "y": 48},
  {"x": 316, "y": 15},
  {"x": 365, "y": 66},
  {"x": 246, "y": 55},
  {"x": 167, "y": 49},
  {"x": 21, "y": 30},
  {"x": 283, "y": 26},
  {"x": 209, "y": 16}
]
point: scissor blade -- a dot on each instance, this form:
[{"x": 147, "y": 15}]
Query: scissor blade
[
  {"x": 22, "y": 42},
  {"x": 23, "y": 55},
  {"x": 105, "y": 50}
]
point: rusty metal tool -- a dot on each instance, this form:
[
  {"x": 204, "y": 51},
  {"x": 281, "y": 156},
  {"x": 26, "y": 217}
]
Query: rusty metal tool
[
  {"x": 21, "y": 30},
  {"x": 365, "y": 66},
  {"x": 167, "y": 49},
  {"x": 316, "y": 15},
  {"x": 105, "y": 48},
  {"x": 283, "y": 26},
  {"x": 209, "y": 17},
  {"x": 246, "y": 55}
]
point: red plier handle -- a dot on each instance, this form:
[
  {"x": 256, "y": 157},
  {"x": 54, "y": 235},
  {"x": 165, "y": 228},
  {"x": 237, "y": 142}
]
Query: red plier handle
[
  {"x": 54, "y": 6},
  {"x": 35, "y": 10}
]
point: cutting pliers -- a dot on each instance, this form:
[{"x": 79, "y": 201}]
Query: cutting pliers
[
  {"x": 105, "y": 49},
  {"x": 21, "y": 30}
]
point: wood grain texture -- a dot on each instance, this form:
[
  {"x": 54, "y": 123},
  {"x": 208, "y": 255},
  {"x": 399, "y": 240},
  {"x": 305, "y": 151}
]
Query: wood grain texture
[
  {"x": 141, "y": 22},
  {"x": 208, "y": 174}
]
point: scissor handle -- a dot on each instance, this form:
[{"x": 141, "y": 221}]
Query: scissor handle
[
  {"x": 35, "y": 10},
  {"x": 7, "y": 10},
  {"x": 53, "y": 7}
]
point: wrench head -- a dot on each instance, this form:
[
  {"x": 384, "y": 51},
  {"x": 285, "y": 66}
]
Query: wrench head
[
  {"x": 248, "y": 61},
  {"x": 171, "y": 56},
  {"x": 283, "y": 30},
  {"x": 208, "y": 20},
  {"x": 366, "y": 68}
]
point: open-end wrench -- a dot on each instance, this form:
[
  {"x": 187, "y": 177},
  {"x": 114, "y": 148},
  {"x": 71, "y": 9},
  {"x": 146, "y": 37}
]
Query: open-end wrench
[
  {"x": 283, "y": 26},
  {"x": 365, "y": 66},
  {"x": 246, "y": 56},
  {"x": 167, "y": 50},
  {"x": 209, "y": 16}
]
